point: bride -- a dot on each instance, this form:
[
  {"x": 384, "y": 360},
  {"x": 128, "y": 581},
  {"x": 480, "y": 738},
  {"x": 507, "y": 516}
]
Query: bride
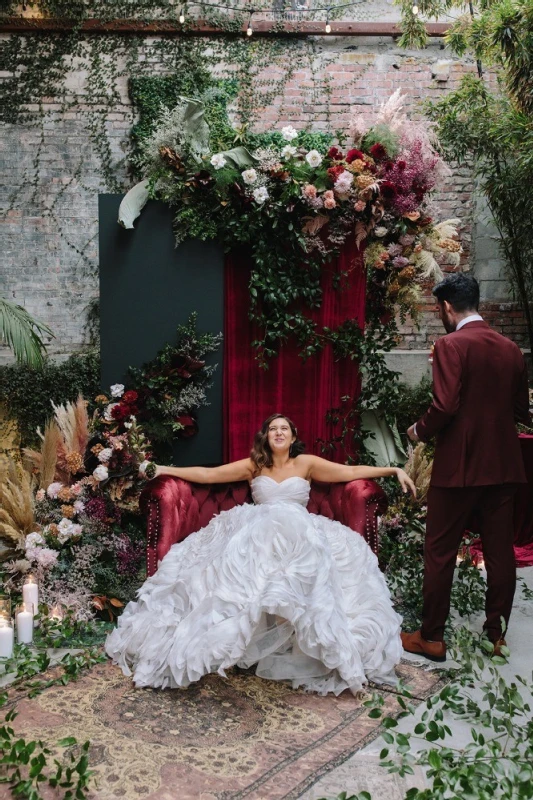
[{"x": 299, "y": 595}]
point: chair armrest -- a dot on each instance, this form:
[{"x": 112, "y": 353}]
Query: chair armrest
[
  {"x": 358, "y": 505},
  {"x": 171, "y": 513}
]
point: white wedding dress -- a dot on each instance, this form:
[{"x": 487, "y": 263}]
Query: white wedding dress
[{"x": 269, "y": 584}]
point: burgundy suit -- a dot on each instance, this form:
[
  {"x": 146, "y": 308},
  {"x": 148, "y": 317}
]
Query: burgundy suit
[{"x": 480, "y": 390}]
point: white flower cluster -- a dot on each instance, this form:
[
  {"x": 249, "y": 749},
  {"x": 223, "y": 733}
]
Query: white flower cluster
[
  {"x": 218, "y": 161},
  {"x": 289, "y": 133},
  {"x": 117, "y": 390},
  {"x": 68, "y": 530},
  {"x": 344, "y": 182},
  {"x": 249, "y": 176},
  {"x": 101, "y": 473},
  {"x": 313, "y": 158}
]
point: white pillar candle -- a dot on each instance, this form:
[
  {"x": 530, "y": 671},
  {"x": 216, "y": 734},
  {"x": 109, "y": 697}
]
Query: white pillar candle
[
  {"x": 6, "y": 639},
  {"x": 30, "y": 594},
  {"x": 25, "y": 627}
]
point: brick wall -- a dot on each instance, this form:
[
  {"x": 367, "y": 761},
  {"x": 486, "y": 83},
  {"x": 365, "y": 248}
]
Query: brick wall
[{"x": 49, "y": 237}]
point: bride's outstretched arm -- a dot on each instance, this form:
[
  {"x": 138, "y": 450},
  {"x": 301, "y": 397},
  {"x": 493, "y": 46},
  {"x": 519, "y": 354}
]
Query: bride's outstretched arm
[
  {"x": 327, "y": 471},
  {"x": 236, "y": 471}
]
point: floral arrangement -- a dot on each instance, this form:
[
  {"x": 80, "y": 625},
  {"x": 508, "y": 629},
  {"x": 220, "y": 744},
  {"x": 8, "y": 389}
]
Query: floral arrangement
[
  {"x": 167, "y": 391},
  {"x": 86, "y": 547},
  {"x": 375, "y": 188}
]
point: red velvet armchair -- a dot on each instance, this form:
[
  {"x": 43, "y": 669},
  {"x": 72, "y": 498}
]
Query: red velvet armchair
[{"x": 175, "y": 508}]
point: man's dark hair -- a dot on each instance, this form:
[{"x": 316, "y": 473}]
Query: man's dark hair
[{"x": 460, "y": 290}]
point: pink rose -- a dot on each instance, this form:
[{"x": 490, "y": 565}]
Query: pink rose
[
  {"x": 360, "y": 205},
  {"x": 329, "y": 199},
  {"x": 309, "y": 191}
]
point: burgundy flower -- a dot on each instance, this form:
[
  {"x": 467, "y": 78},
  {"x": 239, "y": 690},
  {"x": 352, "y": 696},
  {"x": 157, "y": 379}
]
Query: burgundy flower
[
  {"x": 129, "y": 397},
  {"x": 354, "y": 155},
  {"x": 401, "y": 165},
  {"x": 335, "y": 154},
  {"x": 194, "y": 365},
  {"x": 378, "y": 152},
  {"x": 120, "y": 412},
  {"x": 388, "y": 189},
  {"x": 189, "y": 426},
  {"x": 389, "y": 166},
  {"x": 334, "y": 172}
]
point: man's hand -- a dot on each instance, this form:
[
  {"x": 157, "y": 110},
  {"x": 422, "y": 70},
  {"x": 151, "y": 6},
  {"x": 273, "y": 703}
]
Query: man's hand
[{"x": 412, "y": 434}]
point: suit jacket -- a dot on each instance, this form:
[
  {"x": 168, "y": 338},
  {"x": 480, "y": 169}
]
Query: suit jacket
[{"x": 480, "y": 390}]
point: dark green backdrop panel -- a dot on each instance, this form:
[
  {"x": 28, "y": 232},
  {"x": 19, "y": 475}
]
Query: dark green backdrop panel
[{"x": 147, "y": 288}]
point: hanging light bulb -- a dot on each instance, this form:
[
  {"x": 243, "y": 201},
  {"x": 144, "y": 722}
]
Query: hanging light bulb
[
  {"x": 182, "y": 15},
  {"x": 328, "y": 26},
  {"x": 415, "y": 10},
  {"x": 249, "y": 29}
]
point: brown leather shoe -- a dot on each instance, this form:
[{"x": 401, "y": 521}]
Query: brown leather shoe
[
  {"x": 414, "y": 643},
  {"x": 497, "y": 651}
]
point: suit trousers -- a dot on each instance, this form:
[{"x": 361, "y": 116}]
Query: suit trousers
[{"x": 449, "y": 511}]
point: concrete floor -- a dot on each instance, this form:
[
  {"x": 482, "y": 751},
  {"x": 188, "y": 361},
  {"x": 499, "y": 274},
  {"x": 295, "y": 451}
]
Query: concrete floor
[{"x": 363, "y": 773}]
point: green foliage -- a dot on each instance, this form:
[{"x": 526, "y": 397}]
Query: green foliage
[
  {"x": 27, "y": 393},
  {"x": 22, "y": 333},
  {"x": 411, "y": 402},
  {"x": 492, "y": 131},
  {"x": 28, "y": 765},
  {"x": 496, "y": 762}
]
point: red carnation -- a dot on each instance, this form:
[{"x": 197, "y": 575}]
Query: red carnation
[
  {"x": 129, "y": 397},
  {"x": 388, "y": 189},
  {"x": 354, "y": 155},
  {"x": 189, "y": 426},
  {"x": 334, "y": 172},
  {"x": 378, "y": 152},
  {"x": 335, "y": 154}
]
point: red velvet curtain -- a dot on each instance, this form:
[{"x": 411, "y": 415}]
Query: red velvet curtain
[{"x": 303, "y": 390}]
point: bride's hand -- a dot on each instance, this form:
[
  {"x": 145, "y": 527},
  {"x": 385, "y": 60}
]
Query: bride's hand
[{"x": 405, "y": 481}]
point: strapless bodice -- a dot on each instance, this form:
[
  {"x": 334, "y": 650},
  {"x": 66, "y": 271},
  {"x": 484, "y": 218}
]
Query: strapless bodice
[{"x": 267, "y": 491}]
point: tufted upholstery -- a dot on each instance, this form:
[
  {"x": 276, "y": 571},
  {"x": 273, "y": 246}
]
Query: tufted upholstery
[{"x": 175, "y": 508}]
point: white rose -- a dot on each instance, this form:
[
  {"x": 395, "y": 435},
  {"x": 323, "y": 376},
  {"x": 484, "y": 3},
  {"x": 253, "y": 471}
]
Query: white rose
[
  {"x": 260, "y": 195},
  {"x": 33, "y": 540},
  {"x": 313, "y": 158},
  {"x": 345, "y": 179},
  {"x": 249, "y": 176},
  {"x": 380, "y": 231},
  {"x": 101, "y": 473},
  {"x": 105, "y": 454},
  {"x": 218, "y": 161},
  {"x": 289, "y": 133},
  {"x": 117, "y": 390},
  {"x": 288, "y": 151},
  {"x": 64, "y": 530},
  {"x": 108, "y": 413},
  {"x": 53, "y": 490}
]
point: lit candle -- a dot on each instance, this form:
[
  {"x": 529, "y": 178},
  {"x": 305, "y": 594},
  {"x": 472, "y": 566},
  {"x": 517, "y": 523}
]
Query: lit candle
[
  {"x": 30, "y": 593},
  {"x": 25, "y": 624},
  {"x": 6, "y": 638}
]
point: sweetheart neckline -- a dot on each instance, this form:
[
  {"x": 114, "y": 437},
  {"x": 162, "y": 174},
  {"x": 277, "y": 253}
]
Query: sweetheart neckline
[{"x": 278, "y": 483}]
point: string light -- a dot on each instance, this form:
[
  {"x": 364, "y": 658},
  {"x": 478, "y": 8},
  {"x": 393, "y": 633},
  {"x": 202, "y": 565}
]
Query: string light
[
  {"x": 249, "y": 29},
  {"x": 415, "y": 10},
  {"x": 328, "y": 26},
  {"x": 182, "y": 15}
]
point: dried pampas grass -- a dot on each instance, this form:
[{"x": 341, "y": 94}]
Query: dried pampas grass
[
  {"x": 418, "y": 467},
  {"x": 17, "y": 513}
]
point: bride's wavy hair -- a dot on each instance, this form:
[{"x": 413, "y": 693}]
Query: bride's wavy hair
[{"x": 261, "y": 454}]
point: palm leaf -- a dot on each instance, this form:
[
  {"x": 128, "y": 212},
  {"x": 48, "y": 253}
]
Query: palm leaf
[{"x": 22, "y": 333}]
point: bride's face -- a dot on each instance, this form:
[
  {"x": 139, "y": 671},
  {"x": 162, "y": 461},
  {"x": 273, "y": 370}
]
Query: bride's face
[{"x": 280, "y": 435}]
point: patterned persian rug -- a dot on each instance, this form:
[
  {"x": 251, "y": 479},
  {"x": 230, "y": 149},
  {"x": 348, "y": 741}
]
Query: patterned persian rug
[{"x": 243, "y": 737}]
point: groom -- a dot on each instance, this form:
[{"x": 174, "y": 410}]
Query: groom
[{"x": 479, "y": 391}]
